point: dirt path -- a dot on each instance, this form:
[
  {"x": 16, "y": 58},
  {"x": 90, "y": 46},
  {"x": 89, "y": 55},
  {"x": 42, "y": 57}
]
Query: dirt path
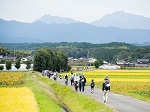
[{"x": 119, "y": 102}]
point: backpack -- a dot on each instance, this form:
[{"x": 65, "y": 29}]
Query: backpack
[
  {"x": 107, "y": 84},
  {"x": 92, "y": 84},
  {"x": 82, "y": 80}
]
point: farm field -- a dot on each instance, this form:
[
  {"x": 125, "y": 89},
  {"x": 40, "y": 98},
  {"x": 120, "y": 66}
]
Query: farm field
[
  {"x": 26, "y": 91},
  {"x": 17, "y": 100},
  {"x": 20, "y": 93},
  {"x": 135, "y": 83}
]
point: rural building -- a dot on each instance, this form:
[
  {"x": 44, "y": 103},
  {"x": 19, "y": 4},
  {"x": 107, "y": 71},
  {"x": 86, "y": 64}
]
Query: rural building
[
  {"x": 9, "y": 58},
  {"x": 24, "y": 59},
  {"x": 123, "y": 63},
  {"x": 92, "y": 60},
  {"x": 1, "y": 57},
  {"x": 141, "y": 63}
]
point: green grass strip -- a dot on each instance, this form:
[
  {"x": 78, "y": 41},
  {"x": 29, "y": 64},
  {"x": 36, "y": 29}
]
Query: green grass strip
[
  {"x": 45, "y": 103},
  {"x": 74, "y": 101}
]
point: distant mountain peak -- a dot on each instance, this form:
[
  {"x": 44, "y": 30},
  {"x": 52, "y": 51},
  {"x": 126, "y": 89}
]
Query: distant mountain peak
[
  {"x": 121, "y": 12},
  {"x": 121, "y": 19},
  {"x": 49, "y": 19}
]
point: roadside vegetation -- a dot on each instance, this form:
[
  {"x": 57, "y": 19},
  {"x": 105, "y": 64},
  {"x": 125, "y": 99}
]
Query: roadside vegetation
[
  {"x": 43, "y": 100},
  {"x": 51, "y": 96},
  {"x": 72, "y": 100}
]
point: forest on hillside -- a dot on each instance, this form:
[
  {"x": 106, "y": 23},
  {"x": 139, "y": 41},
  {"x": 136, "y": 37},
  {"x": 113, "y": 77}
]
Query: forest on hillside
[{"x": 108, "y": 51}]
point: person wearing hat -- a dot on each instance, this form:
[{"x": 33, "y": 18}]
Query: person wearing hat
[{"x": 106, "y": 88}]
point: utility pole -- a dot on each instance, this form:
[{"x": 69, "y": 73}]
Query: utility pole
[{"x": 14, "y": 56}]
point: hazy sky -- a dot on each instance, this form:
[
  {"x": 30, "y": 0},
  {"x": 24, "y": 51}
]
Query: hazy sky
[{"x": 81, "y": 10}]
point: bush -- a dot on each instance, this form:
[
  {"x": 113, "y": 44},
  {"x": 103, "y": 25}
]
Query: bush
[
  {"x": 1, "y": 67},
  {"x": 8, "y": 65}
]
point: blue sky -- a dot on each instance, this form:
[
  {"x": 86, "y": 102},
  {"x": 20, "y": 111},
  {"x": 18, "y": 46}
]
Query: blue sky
[{"x": 80, "y": 10}]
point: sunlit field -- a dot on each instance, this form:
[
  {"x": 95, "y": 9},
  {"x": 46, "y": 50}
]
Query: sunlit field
[
  {"x": 19, "y": 93},
  {"x": 11, "y": 78},
  {"x": 119, "y": 75},
  {"x": 14, "y": 99},
  {"x": 31, "y": 92},
  {"x": 17, "y": 100}
]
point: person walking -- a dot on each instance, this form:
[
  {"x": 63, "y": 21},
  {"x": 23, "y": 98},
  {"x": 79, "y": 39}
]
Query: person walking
[
  {"x": 83, "y": 82},
  {"x": 72, "y": 79},
  {"x": 66, "y": 79},
  {"x": 92, "y": 86},
  {"x": 106, "y": 78},
  {"x": 79, "y": 83},
  {"x": 76, "y": 85},
  {"x": 105, "y": 89},
  {"x": 60, "y": 77}
]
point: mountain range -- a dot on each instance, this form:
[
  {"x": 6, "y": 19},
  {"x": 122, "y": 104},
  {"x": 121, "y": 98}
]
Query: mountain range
[{"x": 115, "y": 27}]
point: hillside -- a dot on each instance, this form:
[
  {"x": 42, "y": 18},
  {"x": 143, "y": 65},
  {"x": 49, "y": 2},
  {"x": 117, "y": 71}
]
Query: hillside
[{"x": 18, "y": 32}]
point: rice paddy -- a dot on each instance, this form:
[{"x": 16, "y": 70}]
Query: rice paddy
[
  {"x": 17, "y": 100},
  {"x": 134, "y": 83}
]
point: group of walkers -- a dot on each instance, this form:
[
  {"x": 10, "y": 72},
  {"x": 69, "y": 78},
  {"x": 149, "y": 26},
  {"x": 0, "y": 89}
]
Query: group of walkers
[
  {"x": 50, "y": 74},
  {"x": 79, "y": 84}
]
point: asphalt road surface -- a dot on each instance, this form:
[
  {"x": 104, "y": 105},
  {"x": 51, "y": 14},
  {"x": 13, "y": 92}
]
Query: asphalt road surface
[{"x": 118, "y": 102}]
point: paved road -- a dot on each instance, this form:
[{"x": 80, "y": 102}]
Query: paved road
[{"x": 119, "y": 102}]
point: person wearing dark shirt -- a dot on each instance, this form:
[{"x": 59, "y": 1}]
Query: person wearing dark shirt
[{"x": 105, "y": 89}]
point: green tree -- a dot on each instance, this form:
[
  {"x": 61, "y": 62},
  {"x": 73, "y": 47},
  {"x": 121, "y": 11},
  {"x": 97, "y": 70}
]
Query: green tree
[
  {"x": 122, "y": 55},
  {"x": 8, "y": 65},
  {"x": 17, "y": 65},
  {"x": 1, "y": 67},
  {"x": 100, "y": 62},
  {"x": 4, "y": 51},
  {"x": 28, "y": 64},
  {"x": 146, "y": 56},
  {"x": 96, "y": 64},
  {"x": 45, "y": 59}
]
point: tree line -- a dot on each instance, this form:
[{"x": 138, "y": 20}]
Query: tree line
[
  {"x": 108, "y": 51},
  {"x": 44, "y": 59}
]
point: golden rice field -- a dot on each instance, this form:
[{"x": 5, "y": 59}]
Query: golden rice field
[
  {"x": 135, "y": 82},
  {"x": 11, "y": 78},
  {"x": 17, "y": 100},
  {"x": 119, "y": 75}
]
